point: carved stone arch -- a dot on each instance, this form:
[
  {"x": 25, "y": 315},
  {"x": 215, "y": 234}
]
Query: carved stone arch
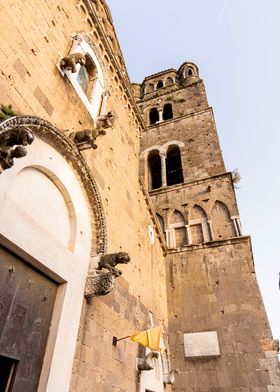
[
  {"x": 174, "y": 209},
  {"x": 222, "y": 223},
  {"x": 176, "y": 233},
  {"x": 230, "y": 211},
  {"x": 68, "y": 149},
  {"x": 199, "y": 228},
  {"x": 177, "y": 143}
]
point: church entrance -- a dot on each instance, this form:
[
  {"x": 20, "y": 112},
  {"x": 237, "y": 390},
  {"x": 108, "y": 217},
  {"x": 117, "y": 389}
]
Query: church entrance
[{"x": 26, "y": 305}]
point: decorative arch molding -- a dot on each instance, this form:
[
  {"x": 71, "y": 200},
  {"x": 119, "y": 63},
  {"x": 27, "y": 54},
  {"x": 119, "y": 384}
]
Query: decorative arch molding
[
  {"x": 177, "y": 143},
  {"x": 232, "y": 213},
  {"x": 67, "y": 148},
  {"x": 144, "y": 154}
]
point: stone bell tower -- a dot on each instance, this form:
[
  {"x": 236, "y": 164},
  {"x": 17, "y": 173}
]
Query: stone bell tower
[{"x": 219, "y": 335}]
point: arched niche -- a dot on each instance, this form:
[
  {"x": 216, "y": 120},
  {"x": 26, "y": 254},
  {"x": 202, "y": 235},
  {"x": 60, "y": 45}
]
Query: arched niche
[
  {"x": 177, "y": 230},
  {"x": 222, "y": 223},
  {"x": 52, "y": 219},
  {"x": 198, "y": 226}
]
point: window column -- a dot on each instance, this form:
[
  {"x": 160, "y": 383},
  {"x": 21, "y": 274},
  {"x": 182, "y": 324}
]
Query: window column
[{"x": 163, "y": 168}]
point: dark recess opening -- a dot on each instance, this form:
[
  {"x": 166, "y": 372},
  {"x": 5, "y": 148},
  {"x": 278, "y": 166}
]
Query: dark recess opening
[
  {"x": 174, "y": 172},
  {"x": 190, "y": 72},
  {"x": 154, "y": 117},
  {"x": 7, "y": 373},
  {"x": 154, "y": 162},
  {"x": 167, "y": 112},
  {"x": 160, "y": 84}
]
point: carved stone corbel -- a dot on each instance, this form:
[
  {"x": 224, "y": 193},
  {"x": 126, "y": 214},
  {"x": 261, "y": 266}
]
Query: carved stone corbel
[
  {"x": 100, "y": 283},
  {"x": 169, "y": 378},
  {"x": 68, "y": 63},
  {"x": 12, "y": 145},
  {"x": 86, "y": 138},
  {"x": 147, "y": 363}
]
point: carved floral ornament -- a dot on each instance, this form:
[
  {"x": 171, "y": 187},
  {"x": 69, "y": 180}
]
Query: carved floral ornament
[{"x": 17, "y": 132}]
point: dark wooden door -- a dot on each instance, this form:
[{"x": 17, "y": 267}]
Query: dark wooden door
[{"x": 26, "y": 304}]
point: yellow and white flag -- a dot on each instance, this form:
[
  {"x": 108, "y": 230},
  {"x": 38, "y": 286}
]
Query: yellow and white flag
[{"x": 150, "y": 338}]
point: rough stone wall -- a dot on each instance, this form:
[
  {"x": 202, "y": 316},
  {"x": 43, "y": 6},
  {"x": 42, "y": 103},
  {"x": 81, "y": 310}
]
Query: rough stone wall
[
  {"x": 217, "y": 288},
  {"x": 35, "y": 35}
]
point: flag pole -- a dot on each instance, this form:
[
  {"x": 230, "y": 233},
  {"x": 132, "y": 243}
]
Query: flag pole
[{"x": 115, "y": 340}]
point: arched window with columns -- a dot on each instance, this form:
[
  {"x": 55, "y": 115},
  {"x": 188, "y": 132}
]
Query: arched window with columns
[
  {"x": 176, "y": 234},
  {"x": 199, "y": 228},
  {"x": 174, "y": 172}
]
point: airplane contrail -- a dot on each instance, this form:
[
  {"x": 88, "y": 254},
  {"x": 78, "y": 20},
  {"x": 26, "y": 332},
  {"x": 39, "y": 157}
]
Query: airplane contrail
[{"x": 221, "y": 15}]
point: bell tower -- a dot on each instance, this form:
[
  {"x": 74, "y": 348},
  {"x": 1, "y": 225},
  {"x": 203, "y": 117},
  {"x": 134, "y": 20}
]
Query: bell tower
[{"x": 219, "y": 335}]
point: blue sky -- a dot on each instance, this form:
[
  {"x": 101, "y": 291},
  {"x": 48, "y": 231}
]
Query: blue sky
[{"x": 236, "y": 45}]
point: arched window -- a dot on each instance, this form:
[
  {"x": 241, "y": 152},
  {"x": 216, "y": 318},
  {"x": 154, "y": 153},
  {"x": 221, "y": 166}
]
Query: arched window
[
  {"x": 154, "y": 166},
  {"x": 174, "y": 172},
  {"x": 167, "y": 111},
  {"x": 169, "y": 81},
  {"x": 177, "y": 234},
  {"x": 159, "y": 84},
  {"x": 198, "y": 226},
  {"x": 222, "y": 223},
  {"x": 150, "y": 88},
  {"x": 154, "y": 116},
  {"x": 190, "y": 72}
]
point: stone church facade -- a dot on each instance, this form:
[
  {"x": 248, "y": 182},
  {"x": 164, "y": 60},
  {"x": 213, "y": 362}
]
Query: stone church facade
[{"x": 117, "y": 215}]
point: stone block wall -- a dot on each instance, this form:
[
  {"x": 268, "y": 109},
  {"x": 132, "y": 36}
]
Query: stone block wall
[{"x": 217, "y": 288}]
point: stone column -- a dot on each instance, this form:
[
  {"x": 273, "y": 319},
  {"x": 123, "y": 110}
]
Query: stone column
[
  {"x": 160, "y": 114},
  {"x": 163, "y": 168},
  {"x": 189, "y": 234}
]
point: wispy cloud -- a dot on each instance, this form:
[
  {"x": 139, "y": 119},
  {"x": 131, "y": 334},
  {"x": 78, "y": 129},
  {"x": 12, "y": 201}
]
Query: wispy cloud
[{"x": 220, "y": 18}]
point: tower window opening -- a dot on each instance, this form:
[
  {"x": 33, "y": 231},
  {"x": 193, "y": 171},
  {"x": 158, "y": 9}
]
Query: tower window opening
[
  {"x": 154, "y": 163},
  {"x": 174, "y": 172},
  {"x": 154, "y": 116},
  {"x": 167, "y": 111},
  {"x": 190, "y": 72},
  {"x": 159, "y": 84}
]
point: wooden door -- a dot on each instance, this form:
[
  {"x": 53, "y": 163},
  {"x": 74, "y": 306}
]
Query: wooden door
[{"x": 26, "y": 304}]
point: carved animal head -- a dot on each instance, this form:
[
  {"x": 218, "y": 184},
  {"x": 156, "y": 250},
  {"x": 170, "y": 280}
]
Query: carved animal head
[
  {"x": 122, "y": 258},
  {"x": 25, "y": 137}
]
